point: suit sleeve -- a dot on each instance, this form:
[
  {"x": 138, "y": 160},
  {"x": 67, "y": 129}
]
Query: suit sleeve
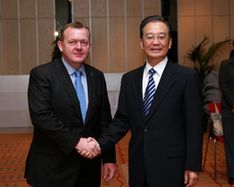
[
  {"x": 44, "y": 118},
  {"x": 108, "y": 155},
  {"x": 226, "y": 83},
  {"x": 119, "y": 125},
  {"x": 193, "y": 112}
]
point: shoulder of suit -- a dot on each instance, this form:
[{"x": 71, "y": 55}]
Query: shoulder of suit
[
  {"x": 47, "y": 67},
  {"x": 134, "y": 71},
  {"x": 227, "y": 62},
  {"x": 92, "y": 70},
  {"x": 42, "y": 66},
  {"x": 180, "y": 67}
]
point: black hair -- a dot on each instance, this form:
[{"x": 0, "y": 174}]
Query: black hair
[
  {"x": 56, "y": 53},
  {"x": 154, "y": 18}
]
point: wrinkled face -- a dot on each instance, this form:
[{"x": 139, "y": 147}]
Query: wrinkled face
[
  {"x": 156, "y": 41},
  {"x": 75, "y": 46}
]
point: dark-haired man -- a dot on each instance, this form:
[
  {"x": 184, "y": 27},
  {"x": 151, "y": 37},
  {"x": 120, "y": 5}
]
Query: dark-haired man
[{"x": 160, "y": 103}]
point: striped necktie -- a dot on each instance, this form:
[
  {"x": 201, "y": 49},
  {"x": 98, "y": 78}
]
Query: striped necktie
[
  {"x": 80, "y": 93},
  {"x": 149, "y": 92}
]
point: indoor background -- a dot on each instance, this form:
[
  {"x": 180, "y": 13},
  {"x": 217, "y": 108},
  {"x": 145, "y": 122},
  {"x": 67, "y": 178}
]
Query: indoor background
[{"x": 27, "y": 30}]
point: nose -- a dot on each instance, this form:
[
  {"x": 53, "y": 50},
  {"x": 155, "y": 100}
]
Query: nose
[
  {"x": 156, "y": 40},
  {"x": 78, "y": 45}
]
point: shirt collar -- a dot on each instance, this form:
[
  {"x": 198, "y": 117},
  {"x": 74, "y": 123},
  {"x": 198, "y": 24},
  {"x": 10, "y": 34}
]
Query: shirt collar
[
  {"x": 70, "y": 69},
  {"x": 158, "y": 68}
]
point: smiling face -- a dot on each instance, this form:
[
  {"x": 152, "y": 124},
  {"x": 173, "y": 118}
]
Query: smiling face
[
  {"x": 75, "y": 46},
  {"x": 155, "y": 42}
]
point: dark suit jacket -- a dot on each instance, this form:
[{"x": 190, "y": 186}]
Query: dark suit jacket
[
  {"x": 56, "y": 117},
  {"x": 169, "y": 140},
  {"x": 226, "y": 78}
]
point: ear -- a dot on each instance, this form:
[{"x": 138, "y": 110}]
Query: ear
[
  {"x": 170, "y": 43},
  {"x": 141, "y": 44},
  {"x": 60, "y": 45}
]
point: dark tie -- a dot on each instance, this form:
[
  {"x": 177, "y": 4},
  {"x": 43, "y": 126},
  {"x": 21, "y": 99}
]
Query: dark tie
[
  {"x": 80, "y": 93},
  {"x": 149, "y": 92}
]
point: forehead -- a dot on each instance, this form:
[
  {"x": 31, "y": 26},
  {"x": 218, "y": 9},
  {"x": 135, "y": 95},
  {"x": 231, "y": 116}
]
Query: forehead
[
  {"x": 156, "y": 27},
  {"x": 76, "y": 33}
]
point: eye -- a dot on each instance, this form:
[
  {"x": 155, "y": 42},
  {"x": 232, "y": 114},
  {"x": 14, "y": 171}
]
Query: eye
[
  {"x": 161, "y": 37},
  {"x": 84, "y": 43},
  {"x": 71, "y": 43},
  {"x": 149, "y": 37}
]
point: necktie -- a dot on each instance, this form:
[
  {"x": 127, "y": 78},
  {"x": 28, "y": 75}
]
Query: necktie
[
  {"x": 80, "y": 93},
  {"x": 149, "y": 92}
]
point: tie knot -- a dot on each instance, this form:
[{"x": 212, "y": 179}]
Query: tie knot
[
  {"x": 152, "y": 72},
  {"x": 78, "y": 73}
]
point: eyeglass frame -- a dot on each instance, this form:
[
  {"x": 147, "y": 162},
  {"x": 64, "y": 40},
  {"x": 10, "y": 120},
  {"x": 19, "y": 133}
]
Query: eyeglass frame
[{"x": 161, "y": 37}]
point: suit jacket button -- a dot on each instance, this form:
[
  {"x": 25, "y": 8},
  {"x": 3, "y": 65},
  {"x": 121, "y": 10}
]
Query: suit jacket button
[{"x": 145, "y": 130}]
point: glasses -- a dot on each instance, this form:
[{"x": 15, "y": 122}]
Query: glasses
[
  {"x": 83, "y": 43},
  {"x": 160, "y": 37}
]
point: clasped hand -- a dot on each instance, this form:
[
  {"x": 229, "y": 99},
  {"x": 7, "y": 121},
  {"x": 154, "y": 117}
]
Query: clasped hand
[{"x": 88, "y": 148}]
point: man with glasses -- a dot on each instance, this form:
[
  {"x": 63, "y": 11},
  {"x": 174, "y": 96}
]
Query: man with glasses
[
  {"x": 68, "y": 101},
  {"x": 160, "y": 103}
]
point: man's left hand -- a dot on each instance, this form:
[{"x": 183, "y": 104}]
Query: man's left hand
[
  {"x": 190, "y": 178},
  {"x": 108, "y": 171}
]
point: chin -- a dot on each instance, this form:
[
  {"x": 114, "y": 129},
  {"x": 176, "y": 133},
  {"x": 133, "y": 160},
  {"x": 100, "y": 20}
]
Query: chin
[
  {"x": 156, "y": 56},
  {"x": 79, "y": 60}
]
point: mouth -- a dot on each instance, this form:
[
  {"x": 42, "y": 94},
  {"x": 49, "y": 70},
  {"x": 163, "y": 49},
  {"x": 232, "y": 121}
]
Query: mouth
[
  {"x": 155, "y": 50},
  {"x": 78, "y": 54}
]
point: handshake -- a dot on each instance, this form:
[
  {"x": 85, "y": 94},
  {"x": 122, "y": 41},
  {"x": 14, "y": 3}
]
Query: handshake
[{"x": 88, "y": 148}]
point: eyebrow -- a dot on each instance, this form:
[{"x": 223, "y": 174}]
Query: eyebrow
[{"x": 157, "y": 33}]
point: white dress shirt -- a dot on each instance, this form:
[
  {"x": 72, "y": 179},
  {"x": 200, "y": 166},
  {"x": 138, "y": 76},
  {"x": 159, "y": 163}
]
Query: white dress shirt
[{"x": 159, "y": 68}]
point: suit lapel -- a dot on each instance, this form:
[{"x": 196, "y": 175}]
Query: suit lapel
[
  {"x": 166, "y": 82},
  {"x": 137, "y": 89},
  {"x": 91, "y": 90},
  {"x": 65, "y": 80}
]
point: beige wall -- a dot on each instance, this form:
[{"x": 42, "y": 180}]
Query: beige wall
[
  {"x": 115, "y": 30},
  {"x": 196, "y": 18},
  {"x": 26, "y": 32},
  {"x": 27, "y": 28}
]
